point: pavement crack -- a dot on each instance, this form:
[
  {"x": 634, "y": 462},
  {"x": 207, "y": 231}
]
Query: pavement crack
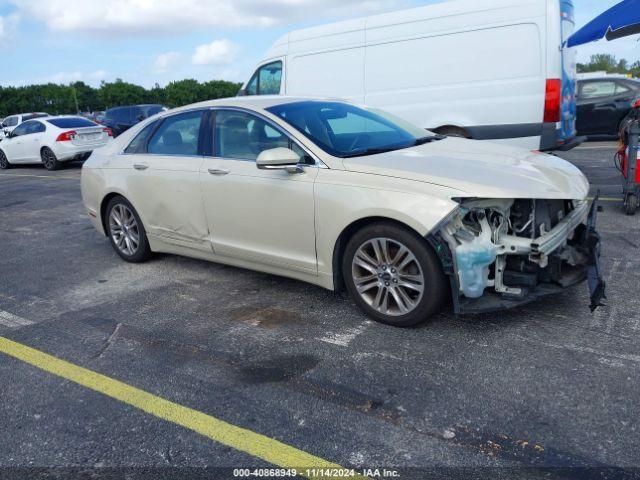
[{"x": 110, "y": 340}]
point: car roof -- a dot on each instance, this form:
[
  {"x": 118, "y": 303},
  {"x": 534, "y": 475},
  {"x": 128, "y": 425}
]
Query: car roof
[
  {"x": 255, "y": 101},
  {"x": 60, "y": 117}
]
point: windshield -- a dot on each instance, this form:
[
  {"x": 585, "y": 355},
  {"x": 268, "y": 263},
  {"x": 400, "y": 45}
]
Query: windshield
[{"x": 344, "y": 130}]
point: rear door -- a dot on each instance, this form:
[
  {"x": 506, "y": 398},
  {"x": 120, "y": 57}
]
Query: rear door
[
  {"x": 599, "y": 106},
  {"x": 163, "y": 182},
  {"x": 34, "y": 140}
]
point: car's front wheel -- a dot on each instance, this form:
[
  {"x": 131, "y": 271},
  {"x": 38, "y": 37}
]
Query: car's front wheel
[
  {"x": 394, "y": 275},
  {"x": 4, "y": 161},
  {"x": 49, "y": 159},
  {"x": 126, "y": 232}
]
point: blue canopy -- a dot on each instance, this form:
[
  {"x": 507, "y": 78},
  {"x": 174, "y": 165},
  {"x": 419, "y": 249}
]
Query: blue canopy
[{"x": 619, "y": 21}]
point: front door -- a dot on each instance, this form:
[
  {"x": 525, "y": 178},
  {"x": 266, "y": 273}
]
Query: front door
[
  {"x": 16, "y": 147},
  {"x": 261, "y": 216}
]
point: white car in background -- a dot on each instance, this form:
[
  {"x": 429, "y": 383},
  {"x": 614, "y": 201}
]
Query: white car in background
[
  {"x": 52, "y": 140},
  {"x": 12, "y": 121},
  {"x": 339, "y": 195}
]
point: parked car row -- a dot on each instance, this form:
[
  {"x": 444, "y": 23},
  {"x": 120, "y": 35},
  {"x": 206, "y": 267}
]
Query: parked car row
[
  {"x": 52, "y": 141},
  {"x": 41, "y": 138}
]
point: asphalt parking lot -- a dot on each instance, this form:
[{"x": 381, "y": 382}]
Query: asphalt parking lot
[{"x": 549, "y": 385}]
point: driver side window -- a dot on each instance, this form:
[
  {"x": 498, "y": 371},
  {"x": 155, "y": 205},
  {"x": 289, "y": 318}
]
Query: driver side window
[
  {"x": 266, "y": 80},
  {"x": 242, "y": 136},
  {"x": 21, "y": 129}
]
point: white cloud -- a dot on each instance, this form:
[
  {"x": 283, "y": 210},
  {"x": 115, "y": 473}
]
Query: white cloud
[
  {"x": 215, "y": 53},
  {"x": 151, "y": 17},
  {"x": 8, "y": 24},
  {"x": 92, "y": 78},
  {"x": 68, "y": 77},
  {"x": 166, "y": 61}
]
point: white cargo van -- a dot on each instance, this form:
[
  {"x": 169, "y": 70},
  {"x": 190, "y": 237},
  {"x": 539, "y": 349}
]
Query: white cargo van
[{"x": 489, "y": 69}]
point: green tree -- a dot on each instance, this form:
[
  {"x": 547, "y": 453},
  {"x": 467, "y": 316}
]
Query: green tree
[{"x": 61, "y": 99}]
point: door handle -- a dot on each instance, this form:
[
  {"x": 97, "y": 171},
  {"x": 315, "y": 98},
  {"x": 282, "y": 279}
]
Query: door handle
[
  {"x": 139, "y": 166},
  {"x": 218, "y": 172}
]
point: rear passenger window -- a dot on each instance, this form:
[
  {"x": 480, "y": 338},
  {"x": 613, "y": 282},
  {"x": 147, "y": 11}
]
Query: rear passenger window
[
  {"x": 178, "y": 135},
  {"x": 620, "y": 89},
  {"x": 598, "y": 89},
  {"x": 139, "y": 144}
]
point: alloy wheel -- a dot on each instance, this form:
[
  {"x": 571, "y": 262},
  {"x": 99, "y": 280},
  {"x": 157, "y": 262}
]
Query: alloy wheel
[
  {"x": 388, "y": 276},
  {"x": 48, "y": 158},
  {"x": 124, "y": 229}
]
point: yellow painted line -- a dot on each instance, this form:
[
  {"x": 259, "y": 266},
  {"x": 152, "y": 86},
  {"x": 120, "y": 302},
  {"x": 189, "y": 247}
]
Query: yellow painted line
[
  {"x": 37, "y": 176},
  {"x": 255, "y": 444}
]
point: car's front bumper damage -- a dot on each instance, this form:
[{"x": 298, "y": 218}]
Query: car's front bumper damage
[{"x": 500, "y": 254}]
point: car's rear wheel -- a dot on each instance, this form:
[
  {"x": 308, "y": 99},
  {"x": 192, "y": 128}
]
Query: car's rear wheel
[
  {"x": 49, "y": 159},
  {"x": 451, "y": 131},
  {"x": 4, "y": 161},
  {"x": 126, "y": 232},
  {"x": 631, "y": 205},
  {"x": 393, "y": 275}
]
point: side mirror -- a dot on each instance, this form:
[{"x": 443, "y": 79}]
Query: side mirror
[{"x": 279, "y": 159}]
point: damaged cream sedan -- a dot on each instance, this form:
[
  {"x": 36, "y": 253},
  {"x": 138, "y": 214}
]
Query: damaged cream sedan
[{"x": 347, "y": 197}]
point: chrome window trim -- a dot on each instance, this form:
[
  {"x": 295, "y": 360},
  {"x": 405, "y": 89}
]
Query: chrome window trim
[{"x": 318, "y": 163}]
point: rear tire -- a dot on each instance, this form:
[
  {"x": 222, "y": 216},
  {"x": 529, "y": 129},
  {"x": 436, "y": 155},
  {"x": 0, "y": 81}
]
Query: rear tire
[
  {"x": 126, "y": 231},
  {"x": 49, "y": 159},
  {"x": 631, "y": 205},
  {"x": 4, "y": 161},
  {"x": 453, "y": 132},
  {"x": 393, "y": 275}
]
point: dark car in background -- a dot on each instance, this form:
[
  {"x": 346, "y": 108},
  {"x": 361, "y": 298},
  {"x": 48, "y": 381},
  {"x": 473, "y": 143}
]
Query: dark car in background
[
  {"x": 120, "y": 119},
  {"x": 603, "y": 103}
]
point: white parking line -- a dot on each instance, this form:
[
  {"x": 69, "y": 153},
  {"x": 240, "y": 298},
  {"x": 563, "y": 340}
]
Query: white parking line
[
  {"x": 344, "y": 338},
  {"x": 13, "y": 321}
]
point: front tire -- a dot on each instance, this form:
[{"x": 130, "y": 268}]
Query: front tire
[
  {"x": 393, "y": 275},
  {"x": 49, "y": 159},
  {"x": 126, "y": 231},
  {"x": 4, "y": 161}
]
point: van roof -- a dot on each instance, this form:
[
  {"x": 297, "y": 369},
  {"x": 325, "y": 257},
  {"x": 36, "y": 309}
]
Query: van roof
[{"x": 428, "y": 12}]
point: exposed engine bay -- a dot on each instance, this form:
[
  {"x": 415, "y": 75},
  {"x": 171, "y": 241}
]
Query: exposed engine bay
[{"x": 505, "y": 252}]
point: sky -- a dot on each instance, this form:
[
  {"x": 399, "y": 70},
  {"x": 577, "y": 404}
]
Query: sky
[{"x": 157, "y": 41}]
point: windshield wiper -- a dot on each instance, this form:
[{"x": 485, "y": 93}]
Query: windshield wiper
[
  {"x": 375, "y": 151},
  {"x": 370, "y": 151},
  {"x": 429, "y": 139}
]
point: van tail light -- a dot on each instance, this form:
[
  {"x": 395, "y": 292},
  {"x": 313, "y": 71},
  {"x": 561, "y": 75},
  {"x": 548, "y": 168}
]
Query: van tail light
[
  {"x": 66, "y": 136},
  {"x": 552, "y": 101},
  {"x": 636, "y": 104},
  {"x": 108, "y": 131}
]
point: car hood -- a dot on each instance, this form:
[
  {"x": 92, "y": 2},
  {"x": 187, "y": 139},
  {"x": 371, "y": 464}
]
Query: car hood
[{"x": 479, "y": 169}]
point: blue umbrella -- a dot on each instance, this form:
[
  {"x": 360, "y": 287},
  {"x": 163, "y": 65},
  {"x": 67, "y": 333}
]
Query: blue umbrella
[{"x": 619, "y": 21}]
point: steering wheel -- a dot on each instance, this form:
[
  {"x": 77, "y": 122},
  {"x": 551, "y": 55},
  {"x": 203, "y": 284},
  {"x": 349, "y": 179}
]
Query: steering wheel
[{"x": 356, "y": 141}]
